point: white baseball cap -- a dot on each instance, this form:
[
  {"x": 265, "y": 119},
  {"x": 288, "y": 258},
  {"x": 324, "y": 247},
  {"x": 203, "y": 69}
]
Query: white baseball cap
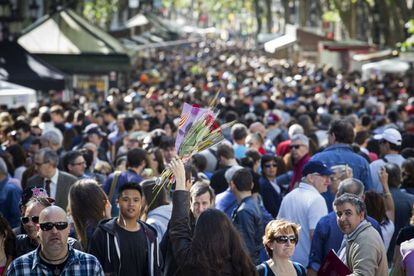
[{"x": 391, "y": 135}]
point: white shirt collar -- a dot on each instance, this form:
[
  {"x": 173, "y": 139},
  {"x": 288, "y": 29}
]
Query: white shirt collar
[
  {"x": 54, "y": 178},
  {"x": 307, "y": 186}
]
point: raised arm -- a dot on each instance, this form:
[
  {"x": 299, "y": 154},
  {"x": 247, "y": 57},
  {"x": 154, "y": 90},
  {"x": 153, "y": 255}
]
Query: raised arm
[
  {"x": 179, "y": 230},
  {"x": 389, "y": 202}
]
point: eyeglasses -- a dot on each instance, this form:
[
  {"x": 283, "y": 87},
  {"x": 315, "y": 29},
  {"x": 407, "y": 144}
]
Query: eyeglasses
[
  {"x": 158, "y": 110},
  {"x": 285, "y": 239},
  {"x": 38, "y": 164},
  {"x": 268, "y": 166},
  {"x": 295, "y": 146},
  {"x": 77, "y": 164},
  {"x": 34, "y": 219},
  {"x": 47, "y": 226}
]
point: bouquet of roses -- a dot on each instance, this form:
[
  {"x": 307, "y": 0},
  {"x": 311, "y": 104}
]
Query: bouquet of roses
[{"x": 198, "y": 130}]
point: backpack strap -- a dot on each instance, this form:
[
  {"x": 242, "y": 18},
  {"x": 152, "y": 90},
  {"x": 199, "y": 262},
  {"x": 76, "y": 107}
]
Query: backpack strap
[
  {"x": 299, "y": 269},
  {"x": 113, "y": 185}
]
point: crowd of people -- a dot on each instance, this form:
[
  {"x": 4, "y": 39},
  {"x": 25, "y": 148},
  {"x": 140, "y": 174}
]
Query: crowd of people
[{"x": 318, "y": 162}]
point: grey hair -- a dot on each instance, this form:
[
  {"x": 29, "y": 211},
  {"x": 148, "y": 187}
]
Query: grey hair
[
  {"x": 301, "y": 138},
  {"x": 295, "y": 129},
  {"x": 3, "y": 167},
  {"x": 49, "y": 156},
  {"x": 350, "y": 186},
  {"x": 228, "y": 175},
  {"x": 352, "y": 199},
  {"x": 52, "y": 137}
]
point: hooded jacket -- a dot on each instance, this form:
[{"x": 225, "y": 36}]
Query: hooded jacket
[{"x": 105, "y": 246}]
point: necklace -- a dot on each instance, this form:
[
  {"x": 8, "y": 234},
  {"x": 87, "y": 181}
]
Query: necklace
[{"x": 57, "y": 260}]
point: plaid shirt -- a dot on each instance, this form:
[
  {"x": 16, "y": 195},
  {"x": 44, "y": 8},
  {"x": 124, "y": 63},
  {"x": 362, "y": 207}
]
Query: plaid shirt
[{"x": 78, "y": 263}]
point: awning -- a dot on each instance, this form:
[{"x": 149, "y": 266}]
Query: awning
[
  {"x": 286, "y": 40},
  {"x": 380, "y": 68},
  {"x": 73, "y": 45},
  {"x": 18, "y": 66}
]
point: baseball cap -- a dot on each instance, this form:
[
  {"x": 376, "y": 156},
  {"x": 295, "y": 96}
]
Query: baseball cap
[
  {"x": 93, "y": 129},
  {"x": 316, "y": 167},
  {"x": 390, "y": 135}
]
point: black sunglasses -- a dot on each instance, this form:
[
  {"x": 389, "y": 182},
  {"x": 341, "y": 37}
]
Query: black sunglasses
[
  {"x": 47, "y": 226},
  {"x": 34, "y": 219},
  {"x": 270, "y": 165},
  {"x": 285, "y": 239},
  {"x": 295, "y": 146}
]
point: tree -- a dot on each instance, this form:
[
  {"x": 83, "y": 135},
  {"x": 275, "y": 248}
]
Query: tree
[{"x": 100, "y": 12}]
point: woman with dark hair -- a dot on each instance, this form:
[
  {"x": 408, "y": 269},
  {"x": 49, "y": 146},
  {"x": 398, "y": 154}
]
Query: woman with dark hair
[
  {"x": 407, "y": 173},
  {"x": 270, "y": 190},
  {"x": 382, "y": 209},
  {"x": 156, "y": 161},
  {"x": 280, "y": 239},
  {"x": 157, "y": 208},
  {"x": 215, "y": 248},
  {"x": 88, "y": 204},
  {"x": 19, "y": 160},
  {"x": 169, "y": 128},
  {"x": 7, "y": 245}
]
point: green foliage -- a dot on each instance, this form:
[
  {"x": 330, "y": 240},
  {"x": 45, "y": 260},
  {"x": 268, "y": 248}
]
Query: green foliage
[
  {"x": 100, "y": 12},
  {"x": 410, "y": 26},
  {"x": 331, "y": 16}
]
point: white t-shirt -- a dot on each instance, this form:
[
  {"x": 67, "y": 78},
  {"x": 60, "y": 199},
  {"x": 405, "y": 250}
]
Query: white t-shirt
[
  {"x": 387, "y": 231},
  {"x": 305, "y": 206}
]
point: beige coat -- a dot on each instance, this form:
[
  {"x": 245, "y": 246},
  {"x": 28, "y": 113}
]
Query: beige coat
[{"x": 365, "y": 252}]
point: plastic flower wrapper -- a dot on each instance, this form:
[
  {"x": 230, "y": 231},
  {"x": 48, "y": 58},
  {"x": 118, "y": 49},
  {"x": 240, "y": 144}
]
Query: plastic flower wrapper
[{"x": 198, "y": 130}]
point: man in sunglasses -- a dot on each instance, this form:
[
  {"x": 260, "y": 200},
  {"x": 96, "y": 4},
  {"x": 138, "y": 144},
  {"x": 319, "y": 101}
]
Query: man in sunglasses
[
  {"x": 54, "y": 256},
  {"x": 299, "y": 152},
  {"x": 30, "y": 221}
]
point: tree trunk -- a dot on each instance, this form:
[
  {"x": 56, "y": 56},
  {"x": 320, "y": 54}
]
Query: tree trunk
[
  {"x": 258, "y": 16},
  {"x": 303, "y": 12},
  {"x": 269, "y": 19},
  {"x": 286, "y": 8}
]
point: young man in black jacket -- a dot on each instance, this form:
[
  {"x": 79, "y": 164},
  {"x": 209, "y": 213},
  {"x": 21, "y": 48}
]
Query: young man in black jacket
[
  {"x": 125, "y": 245},
  {"x": 247, "y": 217}
]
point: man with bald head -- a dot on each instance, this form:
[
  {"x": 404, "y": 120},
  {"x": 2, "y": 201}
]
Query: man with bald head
[{"x": 54, "y": 256}]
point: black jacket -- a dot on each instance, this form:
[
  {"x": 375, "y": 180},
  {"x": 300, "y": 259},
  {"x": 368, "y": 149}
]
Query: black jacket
[
  {"x": 105, "y": 246},
  {"x": 170, "y": 267},
  {"x": 181, "y": 238},
  {"x": 247, "y": 218}
]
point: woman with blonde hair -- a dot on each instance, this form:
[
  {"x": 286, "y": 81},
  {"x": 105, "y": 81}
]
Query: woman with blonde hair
[
  {"x": 88, "y": 204},
  {"x": 280, "y": 239}
]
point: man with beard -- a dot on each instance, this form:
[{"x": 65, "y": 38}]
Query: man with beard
[
  {"x": 124, "y": 245},
  {"x": 54, "y": 256},
  {"x": 30, "y": 221}
]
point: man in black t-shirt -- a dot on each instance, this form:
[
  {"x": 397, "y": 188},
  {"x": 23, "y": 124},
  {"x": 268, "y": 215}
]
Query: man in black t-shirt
[{"x": 124, "y": 245}]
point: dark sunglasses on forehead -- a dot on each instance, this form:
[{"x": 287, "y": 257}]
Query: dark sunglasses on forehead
[
  {"x": 34, "y": 219},
  {"x": 285, "y": 239},
  {"x": 47, "y": 226}
]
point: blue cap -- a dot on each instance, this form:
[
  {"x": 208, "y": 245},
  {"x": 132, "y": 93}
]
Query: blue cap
[{"x": 316, "y": 167}]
